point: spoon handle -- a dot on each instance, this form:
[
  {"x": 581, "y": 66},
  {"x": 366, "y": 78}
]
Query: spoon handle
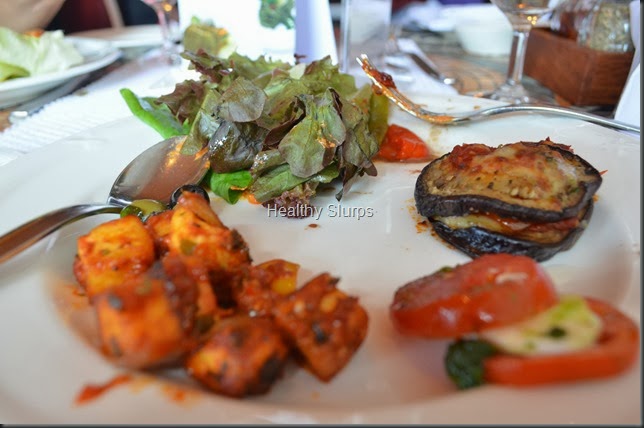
[{"x": 24, "y": 236}]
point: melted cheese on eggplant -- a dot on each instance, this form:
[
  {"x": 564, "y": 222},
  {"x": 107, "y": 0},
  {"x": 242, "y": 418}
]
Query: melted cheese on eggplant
[
  {"x": 568, "y": 326},
  {"x": 544, "y": 233},
  {"x": 531, "y": 175}
]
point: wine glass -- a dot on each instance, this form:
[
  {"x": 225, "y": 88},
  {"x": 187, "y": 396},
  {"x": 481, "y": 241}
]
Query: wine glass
[
  {"x": 163, "y": 8},
  {"x": 523, "y": 15}
]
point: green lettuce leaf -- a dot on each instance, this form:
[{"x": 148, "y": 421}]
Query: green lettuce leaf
[
  {"x": 9, "y": 71},
  {"x": 230, "y": 185},
  {"x": 47, "y": 53},
  {"x": 158, "y": 116},
  {"x": 205, "y": 123},
  {"x": 280, "y": 179},
  {"x": 184, "y": 102},
  {"x": 310, "y": 146},
  {"x": 242, "y": 101},
  {"x": 235, "y": 145}
]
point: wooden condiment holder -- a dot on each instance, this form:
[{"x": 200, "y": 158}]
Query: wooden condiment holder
[{"x": 579, "y": 75}]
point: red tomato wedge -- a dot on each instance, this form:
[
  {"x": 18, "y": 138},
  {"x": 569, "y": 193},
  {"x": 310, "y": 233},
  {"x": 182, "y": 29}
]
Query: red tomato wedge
[
  {"x": 402, "y": 145},
  {"x": 616, "y": 351},
  {"x": 490, "y": 291}
]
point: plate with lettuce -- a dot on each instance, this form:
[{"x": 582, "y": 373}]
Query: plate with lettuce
[{"x": 31, "y": 65}]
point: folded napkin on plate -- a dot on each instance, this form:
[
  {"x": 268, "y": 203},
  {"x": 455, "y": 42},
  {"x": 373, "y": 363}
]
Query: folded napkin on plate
[{"x": 628, "y": 108}]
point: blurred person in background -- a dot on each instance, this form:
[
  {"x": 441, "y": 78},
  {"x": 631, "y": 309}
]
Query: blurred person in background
[
  {"x": 84, "y": 15},
  {"x": 26, "y": 15},
  {"x": 70, "y": 15}
]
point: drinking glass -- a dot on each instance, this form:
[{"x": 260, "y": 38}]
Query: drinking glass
[
  {"x": 523, "y": 15},
  {"x": 163, "y": 9},
  {"x": 364, "y": 29}
]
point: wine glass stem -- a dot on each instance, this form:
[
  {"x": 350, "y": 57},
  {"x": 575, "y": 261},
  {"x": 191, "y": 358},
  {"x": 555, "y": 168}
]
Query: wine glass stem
[
  {"x": 517, "y": 59},
  {"x": 165, "y": 32}
]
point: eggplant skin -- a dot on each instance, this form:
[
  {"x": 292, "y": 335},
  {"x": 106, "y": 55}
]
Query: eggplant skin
[
  {"x": 437, "y": 195},
  {"x": 476, "y": 241}
]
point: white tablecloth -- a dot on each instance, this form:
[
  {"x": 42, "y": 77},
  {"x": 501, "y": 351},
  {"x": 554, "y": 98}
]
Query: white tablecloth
[{"x": 101, "y": 102}]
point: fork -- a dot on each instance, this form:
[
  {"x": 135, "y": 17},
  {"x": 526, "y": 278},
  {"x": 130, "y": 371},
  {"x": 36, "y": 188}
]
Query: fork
[{"x": 387, "y": 87}]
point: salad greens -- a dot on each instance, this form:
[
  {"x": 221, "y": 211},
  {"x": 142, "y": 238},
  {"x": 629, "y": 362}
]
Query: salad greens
[
  {"x": 275, "y": 12},
  {"x": 203, "y": 34},
  {"x": 158, "y": 116},
  {"x": 275, "y": 130},
  {"x": 23, "y": 55}
]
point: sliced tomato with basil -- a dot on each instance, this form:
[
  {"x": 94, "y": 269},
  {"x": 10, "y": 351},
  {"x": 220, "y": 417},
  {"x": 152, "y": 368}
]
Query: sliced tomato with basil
[
  {"x": 402, "y": 145},
  {"x": 616, "y": 350},
  {"x": 490, "y": 291}
]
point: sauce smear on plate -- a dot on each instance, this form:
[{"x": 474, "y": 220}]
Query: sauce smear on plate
[{"x": 93, "y": 391}]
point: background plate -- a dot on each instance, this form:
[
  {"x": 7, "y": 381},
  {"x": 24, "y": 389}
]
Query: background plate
[
  {"x": 44, "y": 363},
  {"x": 133, "y": 36},
  {"x": 96, "y": 53}
]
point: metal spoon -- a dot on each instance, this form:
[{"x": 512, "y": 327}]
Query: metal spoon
[
  {"x": 154, "y": 174},
  {"x": 387, "y": 87}
]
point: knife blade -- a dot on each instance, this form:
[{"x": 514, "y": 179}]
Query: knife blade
[
  {"x": 428, "y": 66},
  {"x": 24, "y": 110}
]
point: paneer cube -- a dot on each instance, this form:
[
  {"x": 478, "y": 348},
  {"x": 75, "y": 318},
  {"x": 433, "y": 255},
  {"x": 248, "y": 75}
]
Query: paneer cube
[
  {"x": 243, "y": 356},
  {"x": 324, "y": 324},
  {"x": 142, "y": 322},
  {"x": 264, "y": 284},
  {"x": 113, "y": 252},
  {"x": 159, "y": 225}
]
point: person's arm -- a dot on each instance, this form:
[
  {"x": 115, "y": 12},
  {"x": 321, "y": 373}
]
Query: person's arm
[{"x": 25, "y": 15}]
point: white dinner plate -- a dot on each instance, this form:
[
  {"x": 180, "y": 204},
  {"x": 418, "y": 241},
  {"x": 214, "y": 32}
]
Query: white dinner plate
[
  {"x": 96, "y": 54},
  {"x": 45, "y": 363},
  {"x": 133, "y": 36}
]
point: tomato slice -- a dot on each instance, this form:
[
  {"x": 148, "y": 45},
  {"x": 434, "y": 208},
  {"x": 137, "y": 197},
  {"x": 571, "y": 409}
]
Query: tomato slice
[
  {"x": 492, "y": 290},
  {"x": 402, "y": 145},
  {"x": 616, "y": 351}
]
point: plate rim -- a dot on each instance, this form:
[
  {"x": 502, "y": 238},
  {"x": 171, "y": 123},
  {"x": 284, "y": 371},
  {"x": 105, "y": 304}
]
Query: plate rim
[{"x": 122, "y": 44}]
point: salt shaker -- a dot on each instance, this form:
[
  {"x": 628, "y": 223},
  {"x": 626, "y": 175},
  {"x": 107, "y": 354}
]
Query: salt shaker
[{"x": 607, "y": 27}]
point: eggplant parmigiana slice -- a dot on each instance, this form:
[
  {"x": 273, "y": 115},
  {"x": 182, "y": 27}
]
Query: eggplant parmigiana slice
[{"x": 527, "y": 198}]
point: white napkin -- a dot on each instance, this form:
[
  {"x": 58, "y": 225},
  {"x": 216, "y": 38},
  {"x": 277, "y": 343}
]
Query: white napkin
[
  {"x": 314, "y": 36},
  {"x": 628, "y": 108}
]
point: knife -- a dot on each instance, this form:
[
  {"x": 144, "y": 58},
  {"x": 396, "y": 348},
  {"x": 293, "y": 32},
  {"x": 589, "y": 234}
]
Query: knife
[
  {"x": 428, "y": 66},
  {"x": 24, "y": 110}
]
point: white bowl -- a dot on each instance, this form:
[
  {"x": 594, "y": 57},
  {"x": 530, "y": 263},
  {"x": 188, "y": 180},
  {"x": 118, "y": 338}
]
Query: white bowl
[
  {"x": 482, "y": 29},
  {"x": 485, "y": 38}
]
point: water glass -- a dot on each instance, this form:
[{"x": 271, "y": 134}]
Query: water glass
[{"x": 365, "y": 30}]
